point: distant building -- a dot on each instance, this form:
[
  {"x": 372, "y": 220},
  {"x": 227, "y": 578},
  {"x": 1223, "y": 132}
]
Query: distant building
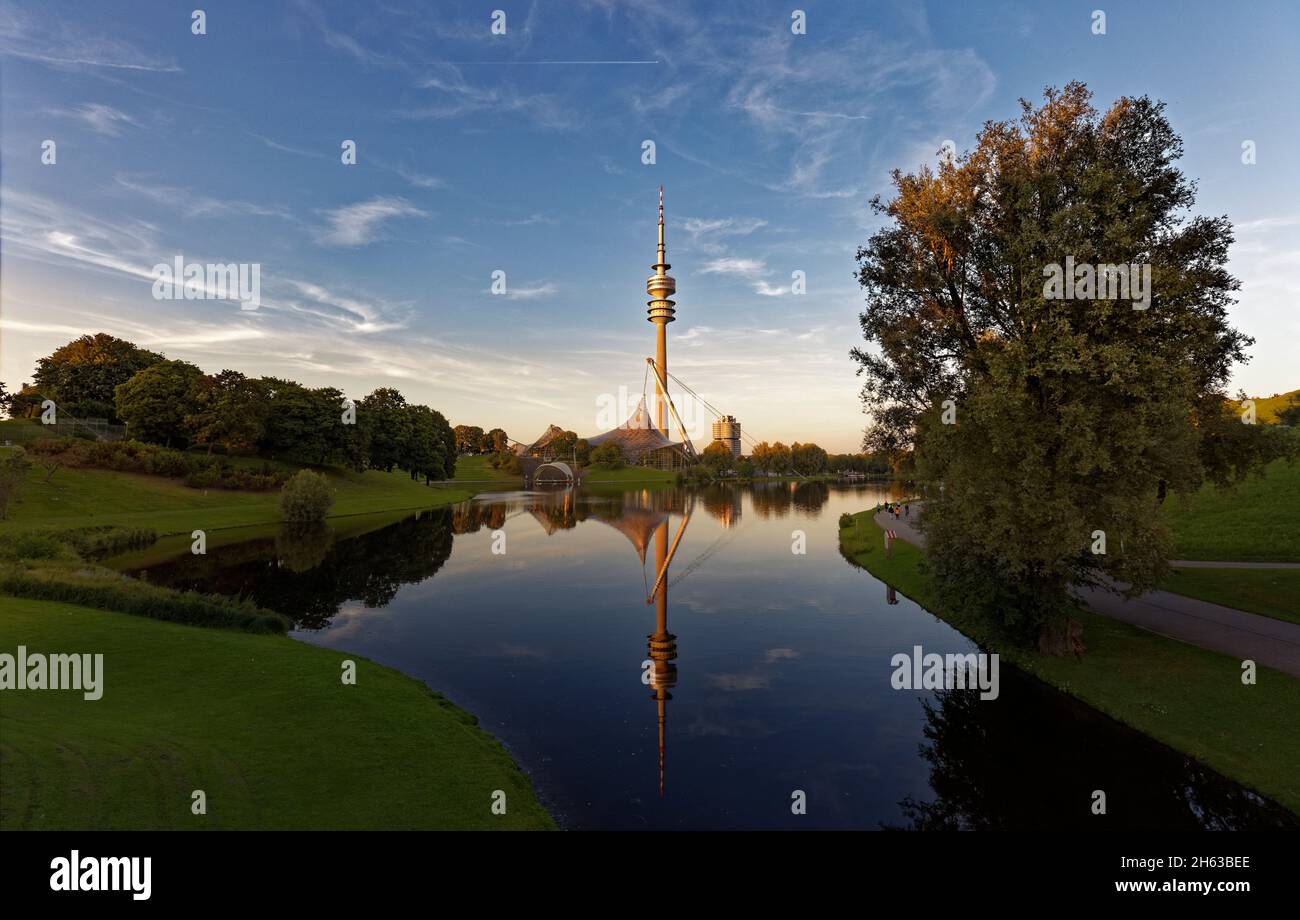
[
  {"x": 727, "y": 431},
  {"x": 542, "y": 447},
  {"x": 643, "y": 444}
]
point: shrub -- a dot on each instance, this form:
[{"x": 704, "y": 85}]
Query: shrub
[
  {"x": 846, "y": 520},
  {"x": 107, "y": 540},
  {"x": 506, "y": 461},
  {"x": 306, "y": 497},
  {"x": 51, "y": 566},
  {"x": 13, "y": 473},
  {"x": 609, "y": 455},
  {"x": 32, "y": 545},
  {"x": 196, "y": 471},
  {"x": 107, "y": 590}
]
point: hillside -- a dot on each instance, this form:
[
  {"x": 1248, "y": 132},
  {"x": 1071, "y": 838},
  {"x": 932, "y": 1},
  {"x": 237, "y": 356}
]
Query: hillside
[
  {"x": 1267, "y": 407},
  {"x": 83, "y": 497},
  {"x": 262, "y": 724},
  {"x": 1257, "y": 521}
]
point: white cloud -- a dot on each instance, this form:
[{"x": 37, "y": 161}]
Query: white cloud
[
  {"x": 529, "y": 293},
  {"x": 102, "y": 119},
  {"x": 195, "y": 204},
  {"x": 56, "y": 41},
  {"x": 730, "y": 265},
  {"x": 456, "y": 97},
  {"x": 360, "y": 223}
]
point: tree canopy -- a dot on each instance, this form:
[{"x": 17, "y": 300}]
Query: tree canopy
[
  {"x": 1044, "y": 420},
  {"x": 82, "y": 376},
  {"x": 156, "y": 402}
]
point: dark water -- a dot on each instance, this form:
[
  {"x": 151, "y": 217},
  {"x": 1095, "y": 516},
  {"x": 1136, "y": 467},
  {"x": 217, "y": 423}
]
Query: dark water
[{"x": 755, "y": 673}]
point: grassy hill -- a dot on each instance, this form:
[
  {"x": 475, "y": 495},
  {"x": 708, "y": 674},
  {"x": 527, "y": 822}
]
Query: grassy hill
[
  {"x": 1258, "y": 521},
  {"x": 83, "y": 497},
  {"x": 262, "y": 724},
  {"x": 477, "y": 469},
  {"x": 627, "y": 474},
  {"x": 1267, "y": 407}
]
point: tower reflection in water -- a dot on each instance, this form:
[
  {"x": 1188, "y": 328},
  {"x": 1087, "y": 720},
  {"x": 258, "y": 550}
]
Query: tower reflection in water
[
  {"x": 639, "y": 516},
  {"x": 662, "y": 643}
]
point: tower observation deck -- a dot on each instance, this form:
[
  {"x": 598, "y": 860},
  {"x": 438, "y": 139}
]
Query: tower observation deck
[{"x": 661, "y": 310}]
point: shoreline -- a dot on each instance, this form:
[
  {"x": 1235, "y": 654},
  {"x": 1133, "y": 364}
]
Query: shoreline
[{"x": 1152, "y": 684}]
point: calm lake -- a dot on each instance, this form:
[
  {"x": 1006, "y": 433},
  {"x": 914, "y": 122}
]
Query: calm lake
[{"x": 752, "y": 673}]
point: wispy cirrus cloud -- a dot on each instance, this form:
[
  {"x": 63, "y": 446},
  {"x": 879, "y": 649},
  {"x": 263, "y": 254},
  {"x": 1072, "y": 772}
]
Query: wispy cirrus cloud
[
  {"x": 532, "y": 292},
  {"x": 709, "y": 234},
  {"x": 420, "y": 180},
  {"x": 102, "y": 119},
  {"x": 353, "y": 313},
  {"x": 197, "y": 204},
  {"x": 59, "y": 41},
  {"x": 456, "y": 97},
  {"x": 731, "y": 265},
  {"x": 361, "y": 223},
  {"x": 285, "y": 148}
]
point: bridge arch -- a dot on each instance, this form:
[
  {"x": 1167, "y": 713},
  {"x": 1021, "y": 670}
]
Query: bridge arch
[{"x": 554, "y": 471}]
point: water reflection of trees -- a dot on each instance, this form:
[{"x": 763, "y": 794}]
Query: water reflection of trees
[
  {"x": 470, "y": 517},
  {"x": 989, "y": 773},
  {"x": 778, "y": 499},
  {"x": 303, "y": 545},
  {"x": 307, "y": 575}
]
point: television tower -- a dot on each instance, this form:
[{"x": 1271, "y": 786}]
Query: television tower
[{"x": 660, "y": 309}]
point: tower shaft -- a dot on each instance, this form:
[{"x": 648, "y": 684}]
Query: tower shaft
[
  {"x": 661, "y": 361},
  {"x": 661, "y": 310}
]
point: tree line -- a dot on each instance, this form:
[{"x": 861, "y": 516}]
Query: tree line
[
  {"x": 471, "y": 439},
  {"x": 175, "y": 404}
]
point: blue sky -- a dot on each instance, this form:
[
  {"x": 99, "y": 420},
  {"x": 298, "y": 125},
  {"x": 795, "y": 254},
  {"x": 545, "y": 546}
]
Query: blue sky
[{"x": 474, "y": 155}]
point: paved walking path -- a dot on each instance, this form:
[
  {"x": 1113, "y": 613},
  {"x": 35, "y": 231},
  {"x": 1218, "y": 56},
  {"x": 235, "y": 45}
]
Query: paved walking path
[{"x": 1269, "y": 642}]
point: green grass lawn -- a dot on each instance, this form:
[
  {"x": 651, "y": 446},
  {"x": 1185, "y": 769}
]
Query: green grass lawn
[
  {"x": 627, "y": 474},
  {"x": 1188, "y": 698},
  {"x": 262, "y": 724},
  {"x": 1258, "y": 521},
  {"x": 1268, "y": 592},
  {"x": 23, "y": 430},
  {"x": 84, "y": 497},
  {"x": 478, "y": 469}
]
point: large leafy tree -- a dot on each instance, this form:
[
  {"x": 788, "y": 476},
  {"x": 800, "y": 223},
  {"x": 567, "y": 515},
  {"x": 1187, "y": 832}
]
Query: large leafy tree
[
  {"x": 155, "y": 402},
  {"x": 448, "y": 438},
  {"x": 82, "y": 376},
  {"x": 302, "y": 423},
  {"x": 230, "y": 411},
  {"x": 771, "y": 457},
  {"x": 564, "y": 446},
  {"x": 717, "y": 457},
  {"x": 469, "y": 439},
  {"x": 384, "y": 422},
  {"x": 807, "y": 459},
  {"x": 1045, "y": 420},
  {"x": 424, "y": 452}
]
